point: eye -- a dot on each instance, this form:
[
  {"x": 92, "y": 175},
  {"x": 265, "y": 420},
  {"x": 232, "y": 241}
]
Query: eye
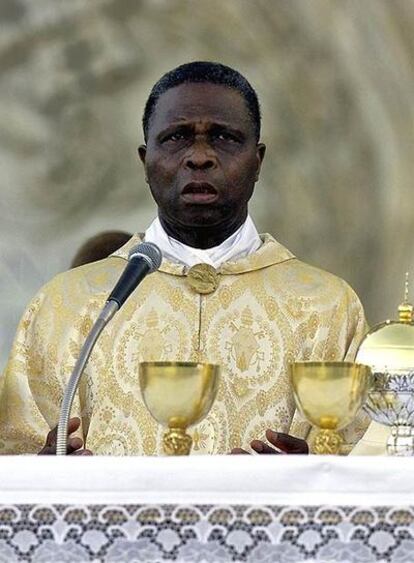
[
  {"x": 226, "y": 136},
  {"x": 174, "y": 137}
]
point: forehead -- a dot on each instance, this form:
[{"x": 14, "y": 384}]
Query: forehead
[{"x": 204, "y": 101}]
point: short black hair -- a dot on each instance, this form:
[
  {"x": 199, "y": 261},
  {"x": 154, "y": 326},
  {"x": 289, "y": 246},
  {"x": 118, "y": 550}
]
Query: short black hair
[{"x": 204, "y": 71}]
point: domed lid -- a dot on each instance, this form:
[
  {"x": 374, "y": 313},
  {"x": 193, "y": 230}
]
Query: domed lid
[{"x": 390, "y": 344}]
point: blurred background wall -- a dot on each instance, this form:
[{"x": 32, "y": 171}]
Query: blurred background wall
[{"x": 336, "y": 82}]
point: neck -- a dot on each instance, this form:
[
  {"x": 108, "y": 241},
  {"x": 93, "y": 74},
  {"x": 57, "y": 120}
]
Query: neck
[{"x": 200, "y": 237}]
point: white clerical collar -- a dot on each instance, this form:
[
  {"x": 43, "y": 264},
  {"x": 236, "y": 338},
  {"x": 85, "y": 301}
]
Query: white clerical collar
[{"x": 238, "y": 245}]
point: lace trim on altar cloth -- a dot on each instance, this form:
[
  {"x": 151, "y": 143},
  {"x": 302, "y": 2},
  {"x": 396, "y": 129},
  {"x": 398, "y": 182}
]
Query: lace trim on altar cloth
[{"x": 201, "y": 533}]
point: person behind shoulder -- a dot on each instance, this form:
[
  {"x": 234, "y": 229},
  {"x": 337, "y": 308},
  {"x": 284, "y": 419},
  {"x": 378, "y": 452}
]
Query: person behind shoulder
[
  {"x": 252, "y": 306},
  {"x": 99, "y": 246}
]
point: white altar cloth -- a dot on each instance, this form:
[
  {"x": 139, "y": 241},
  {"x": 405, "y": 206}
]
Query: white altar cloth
[
  {"x": 283, "y": 479},
  {"x": 206, "y": 509}
]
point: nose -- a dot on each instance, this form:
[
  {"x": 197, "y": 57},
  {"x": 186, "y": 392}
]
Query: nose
[{"x": 200, "y": 157}]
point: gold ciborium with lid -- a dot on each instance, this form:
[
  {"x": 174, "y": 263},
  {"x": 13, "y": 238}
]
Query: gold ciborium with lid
[{"x": 388, "y": 349}]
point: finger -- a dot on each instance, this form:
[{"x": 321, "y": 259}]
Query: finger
[
  {"x": 73, "y": 425},
  {"x": 51, "y": 437},
  {"x": 82, "y": 452},
  {"x": 288, "y": 444},
  {"x": 74, "y": 444},
  {"x": 262, "y": 448},
  {"x": 47, "y": 450},
  {"x": 239, "y": 451},
  {"x": 294, "y": 445}
]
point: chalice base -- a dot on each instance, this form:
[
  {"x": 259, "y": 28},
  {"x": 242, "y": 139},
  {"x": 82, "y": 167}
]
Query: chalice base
[
  {"x": 327, "y": 442},
  {"x": 401, "y": 441},
  {"x": 177, "y": 442}
]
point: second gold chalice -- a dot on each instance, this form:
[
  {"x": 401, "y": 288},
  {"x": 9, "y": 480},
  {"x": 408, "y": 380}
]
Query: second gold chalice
[
  {"x": 178, "y": 395},
  {"x": 329, "y": 395}
]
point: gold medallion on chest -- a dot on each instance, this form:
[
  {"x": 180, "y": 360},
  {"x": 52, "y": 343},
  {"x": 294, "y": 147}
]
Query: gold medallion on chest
[{"x": 203, "y": 278}]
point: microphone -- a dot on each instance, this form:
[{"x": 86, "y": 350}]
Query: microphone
[{"x": 143, "y": 259}]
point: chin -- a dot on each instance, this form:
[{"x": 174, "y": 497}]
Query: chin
[
  {"x": 201, "y": 216},
  {"x": 202, "y": 221}
]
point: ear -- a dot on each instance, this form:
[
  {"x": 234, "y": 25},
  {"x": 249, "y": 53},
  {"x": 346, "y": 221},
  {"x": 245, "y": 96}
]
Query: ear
[
  {"x": 142, "y": 153},
  {"x": 260, "y": 153}
]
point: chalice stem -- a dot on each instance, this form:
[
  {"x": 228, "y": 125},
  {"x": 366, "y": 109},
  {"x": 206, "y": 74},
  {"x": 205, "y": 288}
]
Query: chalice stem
[
  {"x": 176, "y": 441},
  {"x": 327, "y": 442}
]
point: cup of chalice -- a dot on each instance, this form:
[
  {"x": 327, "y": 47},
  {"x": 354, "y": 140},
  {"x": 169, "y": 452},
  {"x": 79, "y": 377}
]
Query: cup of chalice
[
  {"x": 178, "y": 395},
  {"x": 329, "y": 395}
]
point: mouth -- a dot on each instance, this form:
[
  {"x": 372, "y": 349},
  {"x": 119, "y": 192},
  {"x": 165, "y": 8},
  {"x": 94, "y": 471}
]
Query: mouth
[{"x": 199, "y": 192}]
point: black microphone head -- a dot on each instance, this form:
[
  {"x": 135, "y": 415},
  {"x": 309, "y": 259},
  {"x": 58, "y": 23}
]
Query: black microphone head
[{"x": 149, "y": 252}]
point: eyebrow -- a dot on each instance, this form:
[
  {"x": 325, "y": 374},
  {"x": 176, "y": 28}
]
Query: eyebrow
[
  {"x": 225, "y": 127},
  {"x": 213, "y": 126}
]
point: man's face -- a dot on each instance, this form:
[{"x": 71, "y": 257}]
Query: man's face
[{"x": 201, "y": 159}]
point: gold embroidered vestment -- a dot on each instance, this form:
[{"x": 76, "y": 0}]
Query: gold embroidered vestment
[{"x": 267, "y": 310}]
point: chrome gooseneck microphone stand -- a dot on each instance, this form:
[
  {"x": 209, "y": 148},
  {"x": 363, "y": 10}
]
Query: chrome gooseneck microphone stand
[{"x": 143, "y": 259}]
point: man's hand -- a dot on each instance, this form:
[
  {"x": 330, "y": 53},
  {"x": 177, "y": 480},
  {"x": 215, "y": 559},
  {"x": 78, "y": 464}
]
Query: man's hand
[
  {"x": 284, "y": 443},
  {"x": 74, "y": 444}
]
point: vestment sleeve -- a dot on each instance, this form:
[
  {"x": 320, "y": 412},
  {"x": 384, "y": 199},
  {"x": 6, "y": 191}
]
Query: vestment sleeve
[
  {"x": 357, "y": 328},
  {"x": 347, "y": 329},
  {"x": 34, "y": 378}
]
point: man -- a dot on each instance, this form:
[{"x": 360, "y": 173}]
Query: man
[{"x": 222, "y": 295}]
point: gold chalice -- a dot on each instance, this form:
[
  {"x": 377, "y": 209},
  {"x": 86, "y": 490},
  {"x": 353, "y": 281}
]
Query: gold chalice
[
  {"x": 178, "y": 395},
  {"x": 329, "y": 395}
]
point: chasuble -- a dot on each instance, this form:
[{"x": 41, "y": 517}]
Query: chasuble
[
  {"x": 374, "y": 441},
  {"x": 263, "y": 311}
]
